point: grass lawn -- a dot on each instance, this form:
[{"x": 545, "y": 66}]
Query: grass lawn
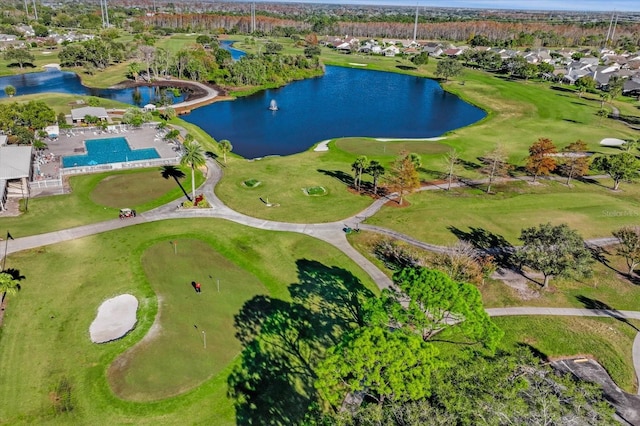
[
  {"x": 607, "y": 340},
  {"x": 45, "y": 346},
  {"x": 594, "y": 210},
  {"x": 95, "y": 198},
  {"x": 43, "y": 56},
  {"x": 120, "y": 190},
  {"x": 391, "y": 149},
  {"x": 283, "y": 180}
]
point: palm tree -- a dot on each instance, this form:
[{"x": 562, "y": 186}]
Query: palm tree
[
  {"x": 376, "y": 170},
  {"x": 8, "y": 284},
  {"x": 193, "y": 157},
  {"x": 358, "y": 167},
  {"x": 175, "y": 173},
  {"x": 225, "y": 146}
]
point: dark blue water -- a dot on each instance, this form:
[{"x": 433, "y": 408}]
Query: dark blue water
[
  {"x": 109, "y": 150},
  {"x": 235, "y": 53},
  {"x": 68, "y": 82},
  {"x": 344, "y": 102}
]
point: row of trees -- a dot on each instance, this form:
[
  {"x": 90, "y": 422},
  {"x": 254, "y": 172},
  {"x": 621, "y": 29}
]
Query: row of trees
[
  {"x": 572, "y": 162},
  {"x": 402, "y": 176}
]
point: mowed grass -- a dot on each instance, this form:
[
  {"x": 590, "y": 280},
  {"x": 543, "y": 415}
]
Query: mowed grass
[
  {"x": 591, "y": 209},
  {"x": 391, "y": 149},
  {"x": 606, "y": 340},
  {"x": 194, "y": 337},
  {"x": 282, "y": 182},
  {"x": 45, "y": 338},
  {"x": 82, "y": 206},
  {"x": 123, "y": 190}
]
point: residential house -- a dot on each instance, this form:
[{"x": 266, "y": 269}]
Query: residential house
[{"x": 391, "y": 50}]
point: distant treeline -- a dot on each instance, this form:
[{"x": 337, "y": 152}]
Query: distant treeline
[{"x": 524, "y": 33}]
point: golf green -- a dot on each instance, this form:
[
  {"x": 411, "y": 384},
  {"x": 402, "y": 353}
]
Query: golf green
[{"x": 190, "y": 340}]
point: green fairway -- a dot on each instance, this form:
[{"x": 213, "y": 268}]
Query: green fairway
[
  {"x": 114, "y": 190},
  {"x": 592, "y": 209},
  {"x": 193, "y": 335},
  {"x": 390, "y": 149},
  {"x": 45, "y": 346},
  {"x": 604, "y": 339}
]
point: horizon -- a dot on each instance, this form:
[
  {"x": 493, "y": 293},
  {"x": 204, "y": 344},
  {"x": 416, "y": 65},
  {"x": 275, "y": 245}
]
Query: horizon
[{"x": 528, "y": 5}]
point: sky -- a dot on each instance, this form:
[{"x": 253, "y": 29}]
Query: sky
[{"x": 581, "y": 5}]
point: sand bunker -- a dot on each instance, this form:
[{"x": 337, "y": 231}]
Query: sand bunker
[
  {"x": 612, "y": 142},
  {"x": 116, "y": 317}
]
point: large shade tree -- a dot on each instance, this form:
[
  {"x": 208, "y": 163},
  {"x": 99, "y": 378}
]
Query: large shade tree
[
  {"x": 621, "y": 167},
  {"x": 575, "y": 162},
  {"x": 629, "y": 246},
  {"x": 541, "y": 160},
  {"x": 193, "y": 157},
  {"x": 403, "y": 177},
  {"x": 554, "y": 250}
]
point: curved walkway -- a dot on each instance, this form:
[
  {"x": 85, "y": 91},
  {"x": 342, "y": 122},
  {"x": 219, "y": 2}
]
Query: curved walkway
[
  {"x": 331, "y": 233},
  {"x": 211, "y": 93}
]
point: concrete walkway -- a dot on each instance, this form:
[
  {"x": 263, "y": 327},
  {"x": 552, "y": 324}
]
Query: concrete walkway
[{"x": 623, "y": 316}]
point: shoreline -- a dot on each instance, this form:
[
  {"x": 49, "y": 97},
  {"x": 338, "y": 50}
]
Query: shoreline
[{"x": 193, "y": 91}]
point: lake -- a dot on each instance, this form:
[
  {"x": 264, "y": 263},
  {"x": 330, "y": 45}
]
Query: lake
[
  {"x": 343, "y": 102},
  {"x": 57, "y": 81}
]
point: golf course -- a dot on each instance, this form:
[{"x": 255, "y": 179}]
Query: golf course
[{"x": 277, "y": 269}]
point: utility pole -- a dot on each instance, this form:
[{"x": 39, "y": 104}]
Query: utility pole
[
  {"x": 106, "y": 13},
  {"x": 26, "y": 8},
  {"x": 253, "y": 17},
  {"x": 35, "y": 10},
  {"x": 613, "y": 33},
  {"x": 415, "y": 26}
]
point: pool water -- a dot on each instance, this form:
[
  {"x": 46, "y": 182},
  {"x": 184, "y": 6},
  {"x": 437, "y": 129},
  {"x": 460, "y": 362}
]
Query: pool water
[{"x": 109, "y": 150}]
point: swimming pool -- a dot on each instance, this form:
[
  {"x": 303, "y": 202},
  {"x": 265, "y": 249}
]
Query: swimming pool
[{"x": 109, "y": 150}]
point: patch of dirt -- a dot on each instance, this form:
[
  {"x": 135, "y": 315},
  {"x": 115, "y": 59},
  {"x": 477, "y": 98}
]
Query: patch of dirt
[
  {"x": 516, "y": 281},
  {"x": 394, "y": 203}
]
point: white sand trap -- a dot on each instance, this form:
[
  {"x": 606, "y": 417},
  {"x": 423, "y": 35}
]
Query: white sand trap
[
  {"x": 612, "y": 142},
  {"x": 116, "y": 317},
  {"x": 55, "y": 66},
  {"x": 322, "y": 146},
  {"x": 355, "y": 64}
]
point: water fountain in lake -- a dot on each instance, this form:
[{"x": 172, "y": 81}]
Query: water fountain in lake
[{"x": 273, "y": 106}]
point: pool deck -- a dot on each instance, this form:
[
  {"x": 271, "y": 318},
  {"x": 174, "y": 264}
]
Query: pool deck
[{"x": 72, "y": 143}]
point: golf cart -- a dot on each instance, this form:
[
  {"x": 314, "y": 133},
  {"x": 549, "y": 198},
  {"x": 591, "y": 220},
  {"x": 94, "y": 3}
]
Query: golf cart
[{"x": 127, "y": 213}]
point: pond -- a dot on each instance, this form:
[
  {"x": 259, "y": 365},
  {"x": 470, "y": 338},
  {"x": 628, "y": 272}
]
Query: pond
[
  {"x": 343, "y": 102},
  {"x": 53, "y": 80}
]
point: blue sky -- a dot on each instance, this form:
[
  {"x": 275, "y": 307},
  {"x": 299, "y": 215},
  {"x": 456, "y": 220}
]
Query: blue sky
[{"x": 591, "y": 5}]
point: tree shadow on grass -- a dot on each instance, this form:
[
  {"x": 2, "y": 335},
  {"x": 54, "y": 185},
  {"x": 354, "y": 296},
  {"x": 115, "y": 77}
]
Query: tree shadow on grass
[
  {"x": 488, "y": 243},
  {"x": 175, "y": 173},
  {"x": 283, "y": 341},
  {"x": 602, "y": 307},
  {"x": 343, "y": 177}
]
